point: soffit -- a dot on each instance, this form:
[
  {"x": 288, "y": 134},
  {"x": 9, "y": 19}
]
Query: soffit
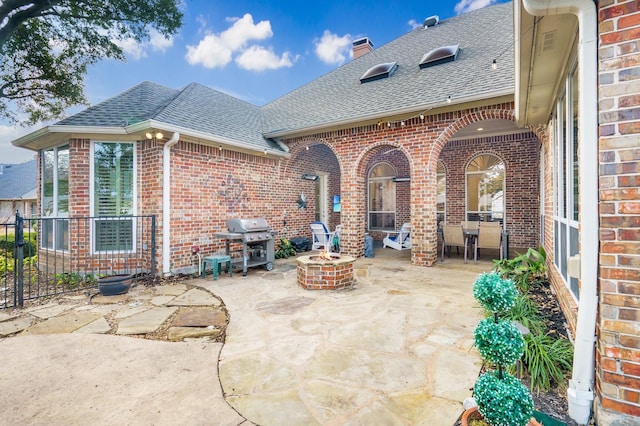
[{"x": 543, "y": 51}]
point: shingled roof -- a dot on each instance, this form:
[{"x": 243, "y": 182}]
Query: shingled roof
[
  {"x": 18, "y": 181},
  {"x": 337, "y": 98}
]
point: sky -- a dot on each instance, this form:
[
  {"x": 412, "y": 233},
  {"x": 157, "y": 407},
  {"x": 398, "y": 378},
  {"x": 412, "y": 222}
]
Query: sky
[{"x": 255, "y": 50}]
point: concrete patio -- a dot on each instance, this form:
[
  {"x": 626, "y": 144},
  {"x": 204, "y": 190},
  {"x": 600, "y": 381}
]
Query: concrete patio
[{"x": 394, "y": 349}]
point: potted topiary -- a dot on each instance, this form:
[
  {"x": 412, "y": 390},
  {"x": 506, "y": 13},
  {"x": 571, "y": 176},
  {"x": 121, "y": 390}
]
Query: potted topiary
[{"x": 500, "y": 397}]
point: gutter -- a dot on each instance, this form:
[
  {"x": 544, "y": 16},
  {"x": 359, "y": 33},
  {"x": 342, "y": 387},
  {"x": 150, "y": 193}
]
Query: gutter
[
  {"x": 386, "y": 114},
  {"x": 166, "y": 203},
  {"x": 581, "y": 385}
]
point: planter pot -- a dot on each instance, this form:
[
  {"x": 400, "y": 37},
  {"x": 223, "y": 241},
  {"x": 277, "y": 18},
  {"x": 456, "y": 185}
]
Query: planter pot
[
  {"x": 473, "y": 414},
  {"x": 114, "y": 284}
]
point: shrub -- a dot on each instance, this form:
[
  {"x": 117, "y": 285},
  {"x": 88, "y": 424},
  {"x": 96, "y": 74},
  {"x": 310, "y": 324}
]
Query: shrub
[
  {"x": 546, "y": 359},
  {"x": 503, "y": 401},
  {"x": 285, "y": 250},
  {"x": 494, "y": 293}
]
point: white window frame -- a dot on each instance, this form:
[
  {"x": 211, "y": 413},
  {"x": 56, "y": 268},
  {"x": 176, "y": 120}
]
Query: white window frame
[
  {"x": 386, "y": 179},
  {"x": 504, "y": 185},
  {"x": 58, "y": 242},
  {"x": 92, "y": 211},
  {"x": 566, "y": 228},
  {"x": 444, "y": 176}
]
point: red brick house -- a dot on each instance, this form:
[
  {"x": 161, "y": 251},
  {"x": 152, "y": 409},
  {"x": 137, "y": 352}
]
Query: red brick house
[
  {"x": 481, "y": 116},
  {"x": 578, "y": 84}
]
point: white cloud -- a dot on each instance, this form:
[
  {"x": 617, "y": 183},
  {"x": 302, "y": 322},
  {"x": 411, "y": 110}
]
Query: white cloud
[
  {"x": 258, "y": 58},
  {"x": 332, "y": 49},
  {"x": 132, "y": 48},
  {"x": 414, "y": 24},
  {"x": 216, "y": 50},
  {"x": 210, "y": 53},
  {"x": 243, "y": 30},
  {"x": 9, "y": 153},
  {"x": 158, "y": 42},
  {"x": 464, "y": 6}
]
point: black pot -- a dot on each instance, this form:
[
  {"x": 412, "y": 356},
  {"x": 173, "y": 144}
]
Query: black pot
[{"x": 115, "y": 284}]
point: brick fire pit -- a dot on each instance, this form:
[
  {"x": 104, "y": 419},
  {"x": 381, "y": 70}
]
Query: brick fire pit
[{"x": 317, "y": 273}]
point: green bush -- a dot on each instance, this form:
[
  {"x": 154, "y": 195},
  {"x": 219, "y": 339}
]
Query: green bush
[
  {"x": 285, "y": 250},
  {"x": 502, "y": 399},
  {"x": 8, "y": 244},
  {"x": 525, "y": 270},
  {"x": 527, "y": 314},
  {"x": 546, "y": 359}
]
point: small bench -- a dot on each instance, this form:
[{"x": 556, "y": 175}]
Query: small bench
[{"x": 216, "y": 262}]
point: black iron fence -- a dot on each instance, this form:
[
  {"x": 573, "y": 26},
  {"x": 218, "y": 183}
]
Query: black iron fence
[{"x": 44, "y": 257}]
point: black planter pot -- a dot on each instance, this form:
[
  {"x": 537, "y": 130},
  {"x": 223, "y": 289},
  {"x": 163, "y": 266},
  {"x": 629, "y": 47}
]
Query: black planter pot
[{"x": 115, "y": 284}]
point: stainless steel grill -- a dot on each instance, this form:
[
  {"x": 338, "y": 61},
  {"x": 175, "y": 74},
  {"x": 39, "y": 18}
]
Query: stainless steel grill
[{"x": 257, "y": 240}]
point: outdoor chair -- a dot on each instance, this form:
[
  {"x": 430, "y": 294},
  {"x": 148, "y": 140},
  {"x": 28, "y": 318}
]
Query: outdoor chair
[
  {"x": 453, "y": 236},
  {"x": 400, "y": 240},
  {"x": 489, "y": 237},
  {"x": 321, "y": 237},
  {"x": 470, "y": 225}
]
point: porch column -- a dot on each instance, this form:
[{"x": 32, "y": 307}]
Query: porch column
[
  {"x": 424, "y": 232},
  {"x": 353, "y": 212}
]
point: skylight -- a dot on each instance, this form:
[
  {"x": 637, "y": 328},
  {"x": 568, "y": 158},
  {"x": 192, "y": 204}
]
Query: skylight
[
  {"x": 379, "y": 71},
  {"x": 439, "y": 55}
]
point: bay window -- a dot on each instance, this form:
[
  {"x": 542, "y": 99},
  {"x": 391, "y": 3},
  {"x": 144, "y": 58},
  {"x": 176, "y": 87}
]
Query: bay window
[
  {"x": 55, "y": 198},
  {"x": 113, "y": 193}
]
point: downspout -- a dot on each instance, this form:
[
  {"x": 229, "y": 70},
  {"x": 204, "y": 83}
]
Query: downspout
[
  {"x": 166, "y": 203},
  {"x": 581, "y": 385}
]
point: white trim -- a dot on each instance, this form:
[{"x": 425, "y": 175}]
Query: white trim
[{"x": 92, "y": 189}]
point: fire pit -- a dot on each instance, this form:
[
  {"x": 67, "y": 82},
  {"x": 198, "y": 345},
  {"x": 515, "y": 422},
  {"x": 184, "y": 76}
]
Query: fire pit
[{"x": 325, "y": 271}]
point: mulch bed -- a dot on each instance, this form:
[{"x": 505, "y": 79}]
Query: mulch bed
[{"x": 553, "y": 403}]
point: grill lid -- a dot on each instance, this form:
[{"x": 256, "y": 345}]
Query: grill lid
[{"x": 248, "y": 225}]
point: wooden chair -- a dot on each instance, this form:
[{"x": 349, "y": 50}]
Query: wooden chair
[
  {"x": 452, "y": 236},
  {"x": 400, "y": 240},
  {"x": 489, "y": 237}
]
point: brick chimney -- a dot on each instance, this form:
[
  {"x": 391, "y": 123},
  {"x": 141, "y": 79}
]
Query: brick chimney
[{"x": 361, "y": 46}]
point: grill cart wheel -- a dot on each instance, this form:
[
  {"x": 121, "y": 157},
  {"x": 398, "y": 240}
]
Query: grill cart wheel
[{"x": 268, "y": 266}]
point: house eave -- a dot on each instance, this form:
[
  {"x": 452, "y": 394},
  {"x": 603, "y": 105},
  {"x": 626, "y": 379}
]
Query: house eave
[
  {"x": 542, "y": 57},
  {"x": 55, "y": 134},
  {"x": 486, "y": 98}
]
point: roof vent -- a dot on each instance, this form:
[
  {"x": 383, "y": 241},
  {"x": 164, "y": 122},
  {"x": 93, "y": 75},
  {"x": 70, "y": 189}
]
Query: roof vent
[
  {"x": 379, "y": 71},
  {"x": 439, "y": 55},
  {"x": 431, "y": 21}
]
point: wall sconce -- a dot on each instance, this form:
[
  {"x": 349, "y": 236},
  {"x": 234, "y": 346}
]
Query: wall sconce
[
  {"x": 306, "y": 176},
  {"x": 401, "y": 179}
]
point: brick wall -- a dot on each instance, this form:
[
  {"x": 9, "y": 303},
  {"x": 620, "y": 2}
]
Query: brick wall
[
  {"x": 520, "y": 154},
  {"x": 618, "y": 350},
  {"x": 414, "y": 147}
]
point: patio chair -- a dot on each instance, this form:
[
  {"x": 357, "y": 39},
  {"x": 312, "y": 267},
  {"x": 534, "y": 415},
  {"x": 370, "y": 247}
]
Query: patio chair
[
  {"x": 400, "y": 240},
  {"x": 470, "y": 225},
  {"x": 321, "y": 237},
  {"x": 489, "y": 237},
  {"x": 453, "y": 236}
]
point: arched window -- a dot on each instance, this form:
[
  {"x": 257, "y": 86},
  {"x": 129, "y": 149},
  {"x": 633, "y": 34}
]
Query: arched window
[
  {"x": 485, "y": 188},
  {"x": 382, "y": 198},
  {"x": 441, "y": 196}
]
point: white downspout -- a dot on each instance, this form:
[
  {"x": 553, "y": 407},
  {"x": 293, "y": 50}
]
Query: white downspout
[
  {"x": 166, "y": 203},
  {"x": 581, "y": 385}
]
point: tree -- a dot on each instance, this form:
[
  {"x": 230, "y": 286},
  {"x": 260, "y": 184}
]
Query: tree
[{"x": 47, "y": 45}]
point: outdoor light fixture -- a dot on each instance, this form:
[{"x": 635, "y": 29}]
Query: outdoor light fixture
[
  {"x": 150, "y": 135},
  {"x": 494, "y": 65},
  {"x": 401, "y": 179},
  {"x": 306, "y": 176}
]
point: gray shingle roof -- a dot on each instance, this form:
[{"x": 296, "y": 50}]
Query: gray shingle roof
[
  {"x": 339, "y": 96},
  {"x": 483, "y": 35},
  {"x": 17, "y": 180}
]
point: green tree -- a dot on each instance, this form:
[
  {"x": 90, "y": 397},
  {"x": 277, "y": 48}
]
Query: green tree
[{"x": 46, "y": 46}]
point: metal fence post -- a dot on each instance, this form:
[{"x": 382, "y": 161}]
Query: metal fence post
[
  {"x": 153, "y": 245},
  {"x": 18, "y": 294}
]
